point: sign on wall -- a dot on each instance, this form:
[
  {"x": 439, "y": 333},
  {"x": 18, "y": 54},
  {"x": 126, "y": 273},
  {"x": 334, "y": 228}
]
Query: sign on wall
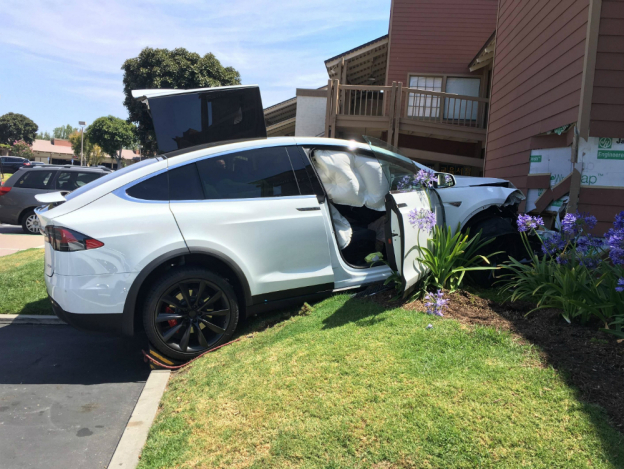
[{"x": 603, "y": 162}]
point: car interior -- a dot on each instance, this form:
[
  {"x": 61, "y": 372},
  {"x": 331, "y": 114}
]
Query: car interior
[{"x": 356, "y": 185}]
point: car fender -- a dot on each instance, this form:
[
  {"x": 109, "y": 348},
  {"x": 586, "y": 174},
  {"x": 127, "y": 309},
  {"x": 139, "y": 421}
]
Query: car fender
[{"x": 463, "y": 203}]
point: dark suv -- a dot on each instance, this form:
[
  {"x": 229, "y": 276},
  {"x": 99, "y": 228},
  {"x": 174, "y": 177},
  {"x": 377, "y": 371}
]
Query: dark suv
[
  {"x": 17, "y": 195},
  {"x": 10, "y": 164}
]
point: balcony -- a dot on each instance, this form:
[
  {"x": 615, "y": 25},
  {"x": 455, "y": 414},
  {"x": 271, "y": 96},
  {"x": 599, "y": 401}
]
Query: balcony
[{"x": 397, "y": 109}]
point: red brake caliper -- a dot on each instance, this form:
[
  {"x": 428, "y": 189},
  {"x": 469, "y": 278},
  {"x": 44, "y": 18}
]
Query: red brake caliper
[{"x": 172, "y": 322}]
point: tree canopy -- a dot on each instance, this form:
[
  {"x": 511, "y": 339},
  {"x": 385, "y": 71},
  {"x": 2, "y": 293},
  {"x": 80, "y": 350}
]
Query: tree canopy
[
  {"x": 111, "y": 134},
  {"x": 43, "y": 136},
  {"x": 21, "y": 148},
  {"x": 63, "y": 131},
  {"x": 163, "y": 68},
  {"x": 14, "y": 127}
]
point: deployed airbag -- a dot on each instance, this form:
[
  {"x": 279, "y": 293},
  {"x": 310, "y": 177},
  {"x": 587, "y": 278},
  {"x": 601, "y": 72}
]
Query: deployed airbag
[
  {"x": 351, "y": 179},
  {"x": 342, "y": 227}
]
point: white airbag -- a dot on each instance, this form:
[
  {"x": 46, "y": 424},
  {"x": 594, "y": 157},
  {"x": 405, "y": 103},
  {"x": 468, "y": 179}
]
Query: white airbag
[
  {"x": 352, "y": 180},
  {"x": 341, "y": 181},
  {"x": 342, "y": 227}
]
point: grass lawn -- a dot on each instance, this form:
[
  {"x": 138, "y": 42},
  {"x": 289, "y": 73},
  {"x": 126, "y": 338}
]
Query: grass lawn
[
  {"x": 355, "y": 385},
  {"x": 22, "y": 287},
  {"x": 5, "y": 176}
]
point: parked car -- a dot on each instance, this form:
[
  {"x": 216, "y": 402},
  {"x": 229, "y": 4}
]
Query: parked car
[
  {"x": 187, "y": 243},
  {"x": 17, "y": 195},
  {"x": 10, "y": 164}
]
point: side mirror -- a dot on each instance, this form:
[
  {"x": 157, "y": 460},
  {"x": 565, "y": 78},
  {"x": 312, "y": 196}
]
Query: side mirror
[{"x": 445, "y": 180}]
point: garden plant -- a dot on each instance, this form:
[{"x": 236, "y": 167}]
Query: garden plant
[{"x": 575, "y": 272}]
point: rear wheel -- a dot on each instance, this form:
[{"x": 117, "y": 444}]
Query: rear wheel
[
  {"x": 189, "y": 311},
  {"x": 30, "y": 222}
]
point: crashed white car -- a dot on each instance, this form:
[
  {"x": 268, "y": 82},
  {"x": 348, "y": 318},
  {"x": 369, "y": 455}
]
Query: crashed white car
[{"x": 187, "y": 243}]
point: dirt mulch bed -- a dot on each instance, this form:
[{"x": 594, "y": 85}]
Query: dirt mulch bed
[{"x": 591, "y": 360}]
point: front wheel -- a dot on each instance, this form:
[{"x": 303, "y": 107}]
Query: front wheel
[
  {"x": 188, "y": 311},
  {"x": 30, "y": 222}
]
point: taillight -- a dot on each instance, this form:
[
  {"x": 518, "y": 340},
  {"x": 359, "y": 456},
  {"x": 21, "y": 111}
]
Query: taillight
[
  {"x": 65, "y": 240},
  {"x": 4, "y": 190}
]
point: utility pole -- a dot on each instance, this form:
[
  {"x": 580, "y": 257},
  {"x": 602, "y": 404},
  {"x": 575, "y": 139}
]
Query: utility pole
[{"x": 82, "y": 123}]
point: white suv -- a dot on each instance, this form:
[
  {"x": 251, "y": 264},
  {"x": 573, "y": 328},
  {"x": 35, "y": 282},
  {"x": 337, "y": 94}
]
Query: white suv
[{"x": 187, "y": 243}]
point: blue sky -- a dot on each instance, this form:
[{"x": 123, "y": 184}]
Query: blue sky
[{"x": 62, "y": 59}]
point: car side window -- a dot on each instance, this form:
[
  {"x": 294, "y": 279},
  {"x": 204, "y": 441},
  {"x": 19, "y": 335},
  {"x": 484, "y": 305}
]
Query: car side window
[
  {"x": 36, "y": 180},
  {"x": 184, "y": 183},
  {"x": 309, "y": 183},
  {"x": 154, "y": 188},
  {"x": 258, "y": 173},
  {"x": 72, "y": 180}
]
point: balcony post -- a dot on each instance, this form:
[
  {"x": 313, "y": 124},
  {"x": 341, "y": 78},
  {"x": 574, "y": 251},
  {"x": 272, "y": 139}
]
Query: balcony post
[
  {"x": 391, "y": 113},
  {"x": 328, "y": 108},
  {"x": 397, "y": 115}
]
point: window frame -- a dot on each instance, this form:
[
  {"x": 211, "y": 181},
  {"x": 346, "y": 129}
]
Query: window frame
[{"x": 444, "y": 77}]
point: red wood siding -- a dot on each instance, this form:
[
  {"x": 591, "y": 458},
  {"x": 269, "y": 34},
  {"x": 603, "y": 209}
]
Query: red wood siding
[
  {"x": 538, "y": 69},
  {"x": 604, "y": 204},
  {"x": 607, "y": 111},
  {"x": 437, "y": 36}
]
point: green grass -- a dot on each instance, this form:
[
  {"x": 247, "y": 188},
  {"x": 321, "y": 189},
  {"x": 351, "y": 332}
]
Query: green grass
[
  {"x": 354, "y": 385},
  {"x": 22, "y": 286},
  {"x": 5, "y": 176}
]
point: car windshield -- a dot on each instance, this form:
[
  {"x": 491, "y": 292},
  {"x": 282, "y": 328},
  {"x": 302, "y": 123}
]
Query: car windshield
[
  {"x": 384, "y": 150},
  {"x": 111, "y": 176}
]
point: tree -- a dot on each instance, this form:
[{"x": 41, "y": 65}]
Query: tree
[
  {"x": 93, "y": 154},
  {"x": 112, "y": 134},
  {"x": 14, "y": 127},
  {"x": 21, "y": 148},
  {"x": 163, "y": 68},
  {"x": 63, "y": 131},
  {"x": 43, "y": 136}
]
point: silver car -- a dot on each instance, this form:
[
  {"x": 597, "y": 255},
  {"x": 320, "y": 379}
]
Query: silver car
[{"x": 17, "y": 195}]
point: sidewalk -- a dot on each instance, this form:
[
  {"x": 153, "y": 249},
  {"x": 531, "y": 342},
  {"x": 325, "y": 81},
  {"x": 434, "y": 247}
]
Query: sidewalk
[{"x": 13, "y": 239}]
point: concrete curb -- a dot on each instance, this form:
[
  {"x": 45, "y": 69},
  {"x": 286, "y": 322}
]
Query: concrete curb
[
  {"x": 43, "y": 320},
  {"x": 135, "y": 435}
]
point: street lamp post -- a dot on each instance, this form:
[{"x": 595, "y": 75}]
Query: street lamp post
[{"x": 82, "y": 124}]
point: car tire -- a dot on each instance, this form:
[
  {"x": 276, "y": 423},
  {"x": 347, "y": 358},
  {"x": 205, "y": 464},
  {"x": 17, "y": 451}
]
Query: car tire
[
  {"x": 189, "y": 311},
  {"x": 30, "y": 222}
]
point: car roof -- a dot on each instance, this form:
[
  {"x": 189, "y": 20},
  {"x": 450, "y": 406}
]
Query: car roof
[
  {"x": 201, "y": 151},
  {"x": 66, "y": 166}
]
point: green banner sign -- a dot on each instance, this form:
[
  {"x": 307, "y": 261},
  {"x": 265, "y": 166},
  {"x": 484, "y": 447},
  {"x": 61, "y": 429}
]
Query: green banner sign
[
  {"x": 610, "y": 155},
  {"x": 536, "y": 158}
]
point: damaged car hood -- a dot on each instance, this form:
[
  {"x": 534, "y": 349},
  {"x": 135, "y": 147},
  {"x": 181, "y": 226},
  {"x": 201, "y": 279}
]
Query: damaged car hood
[{"x": 469, "y": 181}]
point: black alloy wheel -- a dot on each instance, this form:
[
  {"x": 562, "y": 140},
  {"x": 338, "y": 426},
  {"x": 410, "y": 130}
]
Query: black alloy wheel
[{"x": 190, "y": 311}]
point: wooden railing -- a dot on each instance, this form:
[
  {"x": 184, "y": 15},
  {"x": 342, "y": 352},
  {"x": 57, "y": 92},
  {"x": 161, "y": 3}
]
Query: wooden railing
[
  {"x": 443, "y": 108},
  {"x": 390, "y": 105}
]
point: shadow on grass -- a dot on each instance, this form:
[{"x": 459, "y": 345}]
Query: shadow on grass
[
  {"x": 39, "y": 307},
  {"x": 365, "y": 313}
]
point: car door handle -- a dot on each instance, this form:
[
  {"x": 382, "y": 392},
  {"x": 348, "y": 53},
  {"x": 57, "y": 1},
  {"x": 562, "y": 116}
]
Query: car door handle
[{"x": 308, "y": 209}]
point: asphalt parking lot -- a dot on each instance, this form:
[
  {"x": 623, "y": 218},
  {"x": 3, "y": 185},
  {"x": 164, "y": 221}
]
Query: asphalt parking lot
[{"x": 65, "y": 395}]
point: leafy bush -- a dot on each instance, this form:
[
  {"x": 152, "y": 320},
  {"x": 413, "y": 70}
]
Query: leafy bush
[
  {"x": 574, "y": 272},
  {"x": 448, "y": 257}
]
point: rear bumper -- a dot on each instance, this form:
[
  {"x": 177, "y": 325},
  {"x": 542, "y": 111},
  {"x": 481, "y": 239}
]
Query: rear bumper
[
  {"x": 110, "y": 323},
  {"x": 90, "y": 302}
]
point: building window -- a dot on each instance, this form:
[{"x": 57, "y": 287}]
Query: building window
[
  {"x": 421, "y": 105},
  {"x": 428, "y": 107}
]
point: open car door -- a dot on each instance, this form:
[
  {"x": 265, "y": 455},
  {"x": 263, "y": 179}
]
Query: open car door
[
  {"x": 402, "y": 237},
  {"x": 404, "y": 197}
]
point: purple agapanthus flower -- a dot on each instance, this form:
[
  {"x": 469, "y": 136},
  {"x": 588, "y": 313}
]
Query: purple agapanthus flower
[
  {"x": 423, "y": 219},
  {"x": 620, "y": 285},
  {"x": 436, "y": 303},
  {"x": 576, "y": 223},
  {"x": 615, "y": 240},
  {"x": 425, "y": 178},
  {"x": 553, "y": 244},
  {"x": 527, "y": 223}
]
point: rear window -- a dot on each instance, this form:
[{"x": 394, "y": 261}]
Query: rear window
[
  {"x": 263, "y": 172},
  {"x": 72, "y": 180},
  {"x": 111, "y": 176},
  {"x": 36, "y": 180}
]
